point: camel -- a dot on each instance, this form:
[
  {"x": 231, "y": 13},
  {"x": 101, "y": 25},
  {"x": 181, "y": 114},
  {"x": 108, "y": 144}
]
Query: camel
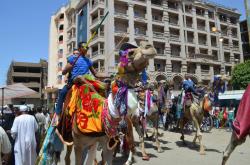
[
  {"x": 138, "y": 120},
  {"x": 110, "y": 116},
  {"x": 195, "y": 112},
  {"x": 241, "y": 126}
]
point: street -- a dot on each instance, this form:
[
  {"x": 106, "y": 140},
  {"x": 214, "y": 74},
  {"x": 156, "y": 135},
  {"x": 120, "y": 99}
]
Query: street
[{"x": 175, "y": 153}]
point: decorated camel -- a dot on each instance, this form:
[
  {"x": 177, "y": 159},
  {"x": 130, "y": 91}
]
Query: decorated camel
[
  {"x": 195, "y": 111},
  {"x": 147, "y": 111},
  {"x": 241, "y": 126},
  {"x": 94, "y": 118}
]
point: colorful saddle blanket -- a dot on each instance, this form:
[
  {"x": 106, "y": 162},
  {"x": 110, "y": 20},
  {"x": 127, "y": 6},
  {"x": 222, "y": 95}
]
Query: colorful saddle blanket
[{"x": 87, "y": 105}]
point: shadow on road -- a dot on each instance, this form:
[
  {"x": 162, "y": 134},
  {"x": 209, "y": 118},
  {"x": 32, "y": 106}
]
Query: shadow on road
[{"x": 195, "y": 147}]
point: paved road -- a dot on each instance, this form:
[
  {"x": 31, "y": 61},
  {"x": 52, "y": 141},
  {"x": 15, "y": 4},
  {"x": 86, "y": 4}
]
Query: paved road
[{"x": 177, "y": 154}]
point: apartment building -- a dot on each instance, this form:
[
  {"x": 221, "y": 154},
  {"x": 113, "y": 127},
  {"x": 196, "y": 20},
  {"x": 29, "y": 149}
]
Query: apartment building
[
  {"x": 194, "y": 37},
  {"x": 33, "y": 76},
  {"x": 245, "y": 39}
]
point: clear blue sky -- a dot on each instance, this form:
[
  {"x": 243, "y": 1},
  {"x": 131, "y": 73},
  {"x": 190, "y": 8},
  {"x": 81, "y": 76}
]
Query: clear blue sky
[{"x": 24, "y": 29}]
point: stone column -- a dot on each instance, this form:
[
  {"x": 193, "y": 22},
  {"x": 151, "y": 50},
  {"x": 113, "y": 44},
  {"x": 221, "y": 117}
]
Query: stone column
[
  {"x": 167, "y": 50},
  {"x": 198, "y": 71},
  {"x": 150, "y": 33},
  {"x": 131, "y": 21}
]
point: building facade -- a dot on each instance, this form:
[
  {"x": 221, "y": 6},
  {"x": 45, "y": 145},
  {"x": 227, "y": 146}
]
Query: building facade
[
  {"x": 245, "y": 40},
  {"x": 33, "y": 76},
  {"x": 194, "y": 37}
]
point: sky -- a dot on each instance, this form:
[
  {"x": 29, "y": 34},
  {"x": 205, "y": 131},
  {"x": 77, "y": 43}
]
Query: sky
[{"x": 24, "y": 29}]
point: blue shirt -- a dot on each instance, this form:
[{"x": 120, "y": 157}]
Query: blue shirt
[
  {"x": 187, "y": 84},
  {"x": 81, "y": 66}
]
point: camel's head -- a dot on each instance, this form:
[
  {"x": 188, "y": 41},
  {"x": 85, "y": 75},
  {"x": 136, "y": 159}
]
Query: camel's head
[{"x": 135, "y": 59}]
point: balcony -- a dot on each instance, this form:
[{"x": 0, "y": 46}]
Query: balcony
[
  {"x": 59, "y": 69},
  {"x": 140, "y": 33},
  {"x": 236, "y": 48},
  {"x": 71, "y": 25},
  {"x": 175, "y": 54},
  {"x": 189, "y": 25},
  {"x": 224, "y": 33},
  {"x": 59, "y": 55},
  {"x": 204, "y": 43},
  {"x": 121, "y": 14},
  {"x": 175, "y": 38},
  {"x": 157, "y": 19},
  {"x": 201, "y": 27},
  {"x": 234, "y": 35},
  {"x": 96, "y": 53},
  {"x": 174, "y": 22},
  {"x": 139, "y": 18},
  {"x": 97, "y": 3},
  {"x": 226, "y": 46},
  {"x": 71, "y": 38},
  {"x": 204, "y": 71},
  {"x": 158, "y": 35}
]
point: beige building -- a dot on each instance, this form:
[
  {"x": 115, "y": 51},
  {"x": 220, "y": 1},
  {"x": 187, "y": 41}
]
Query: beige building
[
  {"x": 33, "y": 76},
  {"x": 181, "y": 31}
]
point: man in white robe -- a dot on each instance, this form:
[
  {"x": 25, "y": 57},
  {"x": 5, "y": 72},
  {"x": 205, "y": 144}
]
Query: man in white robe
[
  {"x": 5, "y": 146},
  {"x": 23, "y": 131}
]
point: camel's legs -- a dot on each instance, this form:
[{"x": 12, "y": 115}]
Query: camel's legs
[
  {"x": 91, "y": 154},
  {"x": 234, "y": 142},
  {"x": 198, "y": 134},
  {"x": 107, "y": 154},
  {"x": 157, "y": 142},
  {"x": 67, "y": 156}
]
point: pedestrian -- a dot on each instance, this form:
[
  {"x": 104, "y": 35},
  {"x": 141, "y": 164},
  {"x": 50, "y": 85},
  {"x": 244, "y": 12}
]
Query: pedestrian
[
  {"x": 41, "y": 119},
  {"x": 5, "y": 147},
  {"x": 161, "y": 101},
  {"x": 23, "y": 131},
  {"x": 230, "y": 117}
]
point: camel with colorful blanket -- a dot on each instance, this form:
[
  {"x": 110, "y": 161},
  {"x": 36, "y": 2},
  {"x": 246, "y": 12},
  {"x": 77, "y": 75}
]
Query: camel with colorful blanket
[
  {"x": 194, "y": 111},
  {"x": 147, "y": 111},
  {"x": 90, "y": 117}
]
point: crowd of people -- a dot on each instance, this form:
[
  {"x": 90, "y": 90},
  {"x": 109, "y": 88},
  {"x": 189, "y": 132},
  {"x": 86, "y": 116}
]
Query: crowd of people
[{"x": 22, "y": 132}]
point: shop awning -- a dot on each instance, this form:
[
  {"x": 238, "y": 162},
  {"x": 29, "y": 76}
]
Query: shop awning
[{"x": 236, "y": 95}]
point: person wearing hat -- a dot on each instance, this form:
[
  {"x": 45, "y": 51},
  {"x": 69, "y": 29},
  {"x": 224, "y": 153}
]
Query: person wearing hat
[
  {"x": 23, "y": 131},
  {"x": 76, "y": 67}
]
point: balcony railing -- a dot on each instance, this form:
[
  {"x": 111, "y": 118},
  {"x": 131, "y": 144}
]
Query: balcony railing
[
  {"x": 203, "y": 43},
  {"x": 174, "y": 37},
  {"x": 204, "y": 71},
  {"x": 175, "y": 54},
  {"x": 224, "y": 33},
  {"x": 96, "y": 53},
  {"x": 158, "y": 35},
  {"x": 202, "y": 28},
  {"x": 96, "y": 3},
  {"x": 189, "y": 25},
  {"x": 236, "y": 48},
  {"x": 174, "y": 22},
  {"x": 121, "y": 13},
  {"x": 157, "y": 19},
  {"x": 191, "y": 41},
  {"x": 140, "y": 33},
  {"x": 226, "y": 46}
]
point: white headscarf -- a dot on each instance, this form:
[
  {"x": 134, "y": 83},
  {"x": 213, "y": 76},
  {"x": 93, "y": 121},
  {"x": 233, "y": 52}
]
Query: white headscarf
[{"x": 23, "y": 108}]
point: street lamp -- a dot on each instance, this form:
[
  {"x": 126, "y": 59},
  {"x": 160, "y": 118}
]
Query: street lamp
[{"x": 214, "y": 29}]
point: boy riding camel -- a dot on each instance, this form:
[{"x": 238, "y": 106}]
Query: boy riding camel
[{"x": 78, "y": 68}]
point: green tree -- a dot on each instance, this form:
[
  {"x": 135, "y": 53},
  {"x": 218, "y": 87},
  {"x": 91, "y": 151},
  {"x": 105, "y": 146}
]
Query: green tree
[{"x": 241, "y": 75}]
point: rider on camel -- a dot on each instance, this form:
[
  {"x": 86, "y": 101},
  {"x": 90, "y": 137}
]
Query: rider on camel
[
  {"x": 76, "y": 69},
  {"x": 188, "y": 85}
]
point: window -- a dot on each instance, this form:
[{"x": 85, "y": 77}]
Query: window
[{"x": 60, "y": 64}]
